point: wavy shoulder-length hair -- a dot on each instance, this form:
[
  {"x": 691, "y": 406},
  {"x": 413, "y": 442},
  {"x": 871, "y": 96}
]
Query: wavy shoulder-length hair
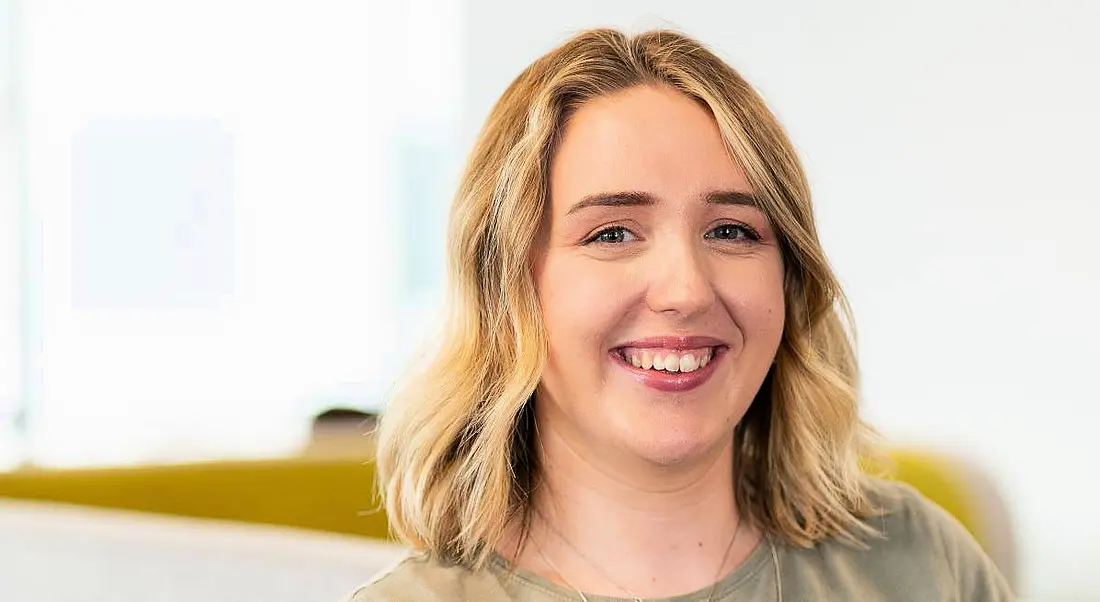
[{"x": 455, "y": 454}]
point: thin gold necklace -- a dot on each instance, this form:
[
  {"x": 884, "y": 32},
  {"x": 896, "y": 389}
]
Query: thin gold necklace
[{"x": 593, "y": 564}]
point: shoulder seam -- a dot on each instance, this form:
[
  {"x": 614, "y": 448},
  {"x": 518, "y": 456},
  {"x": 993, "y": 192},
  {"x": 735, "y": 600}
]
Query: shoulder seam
[
  {"x": 390, "y": 568},
  {"x": 380, "y": 575}
]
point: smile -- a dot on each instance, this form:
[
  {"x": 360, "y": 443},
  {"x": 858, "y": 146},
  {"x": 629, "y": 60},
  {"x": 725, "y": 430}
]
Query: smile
[
  {"x": 670, "y": 366},
  {"x": 688, "y": 360}
]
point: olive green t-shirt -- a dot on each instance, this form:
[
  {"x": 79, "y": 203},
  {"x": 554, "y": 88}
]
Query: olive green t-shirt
[{"x": 924, "y": 556}]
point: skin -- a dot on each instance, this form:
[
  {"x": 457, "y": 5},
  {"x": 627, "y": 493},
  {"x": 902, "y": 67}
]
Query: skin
[{"x": 638, "y": 480}]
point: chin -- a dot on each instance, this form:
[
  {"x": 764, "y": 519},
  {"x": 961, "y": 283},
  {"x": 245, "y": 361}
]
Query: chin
[
  {"x": 669, "y": 433},
  {"x": 678, "y": 446}
]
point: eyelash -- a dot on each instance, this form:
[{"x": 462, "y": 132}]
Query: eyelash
[
  {"x": 748, "y": 232},
  {"x": 594, "y": 238}
]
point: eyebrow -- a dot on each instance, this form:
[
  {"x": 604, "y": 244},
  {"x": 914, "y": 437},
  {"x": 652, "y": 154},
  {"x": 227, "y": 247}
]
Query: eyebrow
[
  {"x": 636, "y": 198},
  {"x": 731, "y": 197}
]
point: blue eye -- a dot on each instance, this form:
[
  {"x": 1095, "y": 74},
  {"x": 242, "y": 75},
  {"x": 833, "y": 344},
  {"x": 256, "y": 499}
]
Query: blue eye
[
  {"x": 732, "y": 232},
  {"x": 613, "y": 235}
]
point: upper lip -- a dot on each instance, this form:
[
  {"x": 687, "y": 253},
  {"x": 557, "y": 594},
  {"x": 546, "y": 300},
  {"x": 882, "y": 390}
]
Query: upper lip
[{"x": 673, "y": 342}]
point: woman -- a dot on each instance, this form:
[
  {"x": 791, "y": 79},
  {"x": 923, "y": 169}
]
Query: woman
[{"x": 646, "y": 389}]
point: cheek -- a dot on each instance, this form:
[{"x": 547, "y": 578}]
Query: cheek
[
  {"x": 580, "y": 305},
  {"x": 755, "y": 297}
]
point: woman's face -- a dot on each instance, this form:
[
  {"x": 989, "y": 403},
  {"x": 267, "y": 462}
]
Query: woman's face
[{"x": 661, "y": 285}]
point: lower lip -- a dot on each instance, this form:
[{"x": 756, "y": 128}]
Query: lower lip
[{"x": 671, "y": 381}]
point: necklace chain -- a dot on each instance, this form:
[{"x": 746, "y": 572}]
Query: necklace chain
[{"x": 593, "y": 564}]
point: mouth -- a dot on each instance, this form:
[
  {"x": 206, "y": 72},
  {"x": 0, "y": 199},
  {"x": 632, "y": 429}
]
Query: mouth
[{"x": 670, "y": 364}]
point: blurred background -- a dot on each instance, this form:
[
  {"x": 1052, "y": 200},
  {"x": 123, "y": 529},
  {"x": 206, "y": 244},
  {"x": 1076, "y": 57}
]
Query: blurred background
[{"x": 220, "y": 218}]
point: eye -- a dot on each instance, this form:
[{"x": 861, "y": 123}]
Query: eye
[
  {"x": 612, "y": 235},
  {"x": 733, "y": 232}
]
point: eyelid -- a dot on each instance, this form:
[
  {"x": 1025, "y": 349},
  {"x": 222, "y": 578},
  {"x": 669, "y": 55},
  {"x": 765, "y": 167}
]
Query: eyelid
[
  {"x": 750, "y": 232},
  {"x": 592, "y": 236}
]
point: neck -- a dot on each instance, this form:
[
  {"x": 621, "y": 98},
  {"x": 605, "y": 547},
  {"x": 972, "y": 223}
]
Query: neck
[{"x": 608, "y": 525}]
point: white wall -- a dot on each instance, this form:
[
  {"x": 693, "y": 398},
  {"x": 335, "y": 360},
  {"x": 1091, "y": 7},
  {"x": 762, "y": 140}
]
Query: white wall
[
  {"x": 953, "y": 150},
  {"x": 11, "y": 244},
  {"x": 220, "y": 188}
]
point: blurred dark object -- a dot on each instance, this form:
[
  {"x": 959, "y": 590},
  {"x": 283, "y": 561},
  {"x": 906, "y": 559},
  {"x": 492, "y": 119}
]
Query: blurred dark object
[{"x": 341, "y": 431}]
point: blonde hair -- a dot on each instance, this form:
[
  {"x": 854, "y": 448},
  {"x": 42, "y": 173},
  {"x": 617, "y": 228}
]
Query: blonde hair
[{"x": 456, "y": 459}]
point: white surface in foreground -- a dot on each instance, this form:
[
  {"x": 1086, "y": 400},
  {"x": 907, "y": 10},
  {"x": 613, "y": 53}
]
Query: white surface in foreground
[{"x": 57, "y": 553}]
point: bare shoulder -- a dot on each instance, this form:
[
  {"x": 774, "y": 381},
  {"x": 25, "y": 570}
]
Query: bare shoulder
[{"x": 418, "y": 578}]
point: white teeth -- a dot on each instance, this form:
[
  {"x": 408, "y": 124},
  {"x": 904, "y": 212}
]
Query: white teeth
[{"x": 668, "y": 362}]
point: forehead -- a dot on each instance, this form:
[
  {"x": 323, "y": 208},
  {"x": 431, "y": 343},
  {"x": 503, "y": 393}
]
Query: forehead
[{"x": 650, "y": 139}]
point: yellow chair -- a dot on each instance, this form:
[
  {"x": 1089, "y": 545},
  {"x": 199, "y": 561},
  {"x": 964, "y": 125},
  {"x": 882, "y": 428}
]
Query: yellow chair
[
  {"x": 333, "y": 492},
  {"x": 326, "y": 493}
]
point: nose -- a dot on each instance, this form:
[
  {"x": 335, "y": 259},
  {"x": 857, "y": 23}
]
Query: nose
[{"x": 679, "y": 282}]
